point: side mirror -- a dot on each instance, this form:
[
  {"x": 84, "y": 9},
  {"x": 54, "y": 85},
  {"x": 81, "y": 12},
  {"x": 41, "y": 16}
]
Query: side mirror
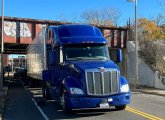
[
  {"x": 115, "y": 55},
  {"x": 119, "y": 56},
  {"x": 70, "y": 66},
  {"x": 73, "y": 70}
]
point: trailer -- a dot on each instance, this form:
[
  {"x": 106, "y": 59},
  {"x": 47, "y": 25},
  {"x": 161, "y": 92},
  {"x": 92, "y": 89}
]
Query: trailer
[{"x": 74, "y": 65}]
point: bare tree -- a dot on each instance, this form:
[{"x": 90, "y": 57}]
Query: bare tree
[
  {"x": 159, "y": 19},
  {"x": 109, "y": 17},
  {"x": 91, "y": 16},
  {"x": 162, "y": 4}
]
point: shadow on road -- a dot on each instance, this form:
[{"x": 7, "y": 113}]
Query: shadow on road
[{"x": 54, "y": 112}]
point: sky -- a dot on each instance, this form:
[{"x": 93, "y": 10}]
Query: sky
[{"x": 71, "y": 9}]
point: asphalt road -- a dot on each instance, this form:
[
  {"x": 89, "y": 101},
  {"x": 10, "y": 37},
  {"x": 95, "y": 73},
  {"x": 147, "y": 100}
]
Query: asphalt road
[{"x": 21, "y": 105}]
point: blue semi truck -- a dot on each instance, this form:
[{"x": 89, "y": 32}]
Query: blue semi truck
[{"x": 75, "y": 67}]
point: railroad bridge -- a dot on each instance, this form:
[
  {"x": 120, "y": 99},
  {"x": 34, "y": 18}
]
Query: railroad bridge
[{"x": 20, "y": 32}]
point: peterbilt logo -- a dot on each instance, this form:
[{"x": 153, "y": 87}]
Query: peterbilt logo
[{"x": 101, "y": 69}]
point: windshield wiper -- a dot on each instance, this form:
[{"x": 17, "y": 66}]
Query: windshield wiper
[{"x": 76, "y": 58}]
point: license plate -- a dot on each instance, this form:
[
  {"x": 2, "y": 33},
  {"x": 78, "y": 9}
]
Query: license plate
[
  {"x": 110, "y": 100},
  {"x": 104, "y": 105}
]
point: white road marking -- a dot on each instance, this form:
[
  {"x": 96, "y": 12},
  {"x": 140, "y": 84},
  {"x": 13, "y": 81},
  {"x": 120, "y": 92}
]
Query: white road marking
[
  {"x": 38, "y": 107},
  {"x": 41, "y": 111}
]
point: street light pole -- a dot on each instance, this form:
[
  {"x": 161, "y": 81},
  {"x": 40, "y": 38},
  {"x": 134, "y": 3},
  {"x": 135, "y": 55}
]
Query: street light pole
[
  {"x": 2, "y": 46},
  {"x": 136, "y": 47}
]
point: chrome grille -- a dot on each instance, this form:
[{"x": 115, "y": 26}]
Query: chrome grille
[{"x": 102, "y": 83}]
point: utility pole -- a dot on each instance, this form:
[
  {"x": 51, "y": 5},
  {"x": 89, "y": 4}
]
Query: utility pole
[
  {"x": 2, "y": 47},
  {"x": 12, "y": 64},
  {"x": 136, "y": 47}
]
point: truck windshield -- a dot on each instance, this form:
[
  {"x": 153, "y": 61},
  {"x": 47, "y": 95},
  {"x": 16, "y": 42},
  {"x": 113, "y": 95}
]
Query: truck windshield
[{"x": 87, "y": 52}]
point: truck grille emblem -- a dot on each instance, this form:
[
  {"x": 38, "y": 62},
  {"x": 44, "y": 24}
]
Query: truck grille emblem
[{"x": 101, "y": 69}]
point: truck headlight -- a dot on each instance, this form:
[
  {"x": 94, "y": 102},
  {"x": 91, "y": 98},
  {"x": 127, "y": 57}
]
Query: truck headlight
[
  {"x": 124, "y": 88},
  {"x": 76, "y": 91}
]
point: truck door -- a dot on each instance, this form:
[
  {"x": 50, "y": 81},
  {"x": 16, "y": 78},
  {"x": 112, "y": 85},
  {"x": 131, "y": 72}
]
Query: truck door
[{"x": 57, "y": 71}]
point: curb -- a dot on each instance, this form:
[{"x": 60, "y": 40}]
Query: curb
[
  {"x": 149, "y": 92},
  {"x": 4, "y": 100}
]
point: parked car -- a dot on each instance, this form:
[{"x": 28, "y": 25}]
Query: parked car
[{"x": 20, "y": 72}]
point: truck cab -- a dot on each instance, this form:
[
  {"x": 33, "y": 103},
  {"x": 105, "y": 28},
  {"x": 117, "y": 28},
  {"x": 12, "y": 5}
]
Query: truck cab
[{"x": 80, "y": 72}]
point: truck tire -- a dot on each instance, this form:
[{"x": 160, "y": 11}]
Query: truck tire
[
  {"x": 120, "y": 107},
  {"x": 63, "y": 103}
]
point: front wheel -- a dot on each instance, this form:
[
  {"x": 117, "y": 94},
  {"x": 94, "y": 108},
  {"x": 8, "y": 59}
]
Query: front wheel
[
  {"x": 63, "y": 103},
  {"x": 120, "y": 107}
]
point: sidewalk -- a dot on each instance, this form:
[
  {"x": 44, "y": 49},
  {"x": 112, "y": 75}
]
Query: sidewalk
[{"x": 148, "y": 90}]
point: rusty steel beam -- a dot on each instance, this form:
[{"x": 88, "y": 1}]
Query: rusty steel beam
[{"x": 21, "y": 31}]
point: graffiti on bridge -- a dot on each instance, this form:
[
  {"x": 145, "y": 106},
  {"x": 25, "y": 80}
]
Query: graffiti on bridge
[{"x": 17, "y": 29}]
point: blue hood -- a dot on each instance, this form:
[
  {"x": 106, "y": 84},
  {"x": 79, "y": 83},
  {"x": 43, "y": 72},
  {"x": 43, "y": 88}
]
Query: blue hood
[{"x": 83, "y": 65}]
